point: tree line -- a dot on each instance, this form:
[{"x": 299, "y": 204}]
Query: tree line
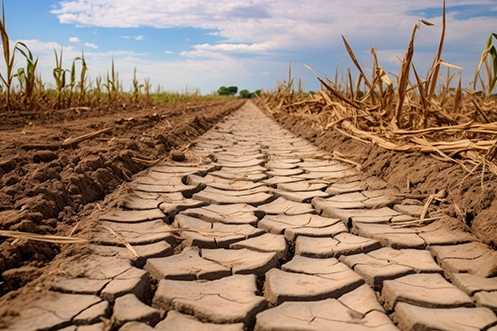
[{"x": 233, "y": 90}]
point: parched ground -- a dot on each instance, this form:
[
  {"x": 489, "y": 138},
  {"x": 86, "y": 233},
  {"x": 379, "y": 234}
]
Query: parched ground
[
  {"x": 260, "y": 230},
  {"x": 46, "y": 186},
  {"x": 469, "y": 199}
]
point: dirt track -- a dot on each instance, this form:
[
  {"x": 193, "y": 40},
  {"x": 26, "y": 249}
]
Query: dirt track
[{"x": 260, "y": 230}]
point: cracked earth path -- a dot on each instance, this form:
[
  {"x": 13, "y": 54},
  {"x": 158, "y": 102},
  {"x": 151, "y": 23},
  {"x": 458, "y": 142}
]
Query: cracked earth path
[{"x": 266, "y": 232}]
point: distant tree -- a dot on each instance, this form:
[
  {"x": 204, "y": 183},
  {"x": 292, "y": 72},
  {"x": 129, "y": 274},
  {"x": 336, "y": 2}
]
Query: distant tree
[
  {"x": 233, "y": 90},
  {"x": 257, "y": 93},
  {"x": 245, "y": 94},
  {"x": 227, "y": 90},
  {"x": 223, "y": 90}
]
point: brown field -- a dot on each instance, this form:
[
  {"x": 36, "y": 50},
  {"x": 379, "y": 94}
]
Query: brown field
[{"x": 368, "y": 204}]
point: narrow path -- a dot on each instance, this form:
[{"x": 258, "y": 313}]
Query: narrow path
[{"x": 269, "y": 235}]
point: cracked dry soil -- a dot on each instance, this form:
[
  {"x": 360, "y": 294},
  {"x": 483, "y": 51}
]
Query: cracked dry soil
[{"x": 263, "y": 231}]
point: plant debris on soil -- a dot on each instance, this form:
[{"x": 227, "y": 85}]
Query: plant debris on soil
[
  {"x": 54, "y": 165},
  {"x": 421, "y": 134},
  {"x": 470, "y": 199}
]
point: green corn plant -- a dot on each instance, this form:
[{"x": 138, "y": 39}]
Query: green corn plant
[
  {"x": 21, "y": 77},
  {"x": 8, "y": 57},
  {"x": 492, "y": 69},
  {"x": 114, "y": 78},
  {"x": 83, "y": 76},
  {"x": 112, "y": 83},
  {"x": 72, "y": 81},
  {"x": 136, "y": 87},
  {"x": 27, "y": 76},
  {"x": 110, "y": 87},
  {"x": 78, "y": 85},
  {"x": 59, "y": 74},
  {"x": 489, "y": 60}
]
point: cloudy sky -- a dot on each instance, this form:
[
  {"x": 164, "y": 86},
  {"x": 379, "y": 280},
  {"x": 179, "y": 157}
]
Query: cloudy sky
[{"x": 186, "y": 44}]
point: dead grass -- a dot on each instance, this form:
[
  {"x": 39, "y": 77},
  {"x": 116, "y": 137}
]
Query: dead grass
[{"x": 407, "y": 112}]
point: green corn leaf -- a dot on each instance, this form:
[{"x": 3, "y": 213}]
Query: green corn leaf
[
  {"x": 493, "y": 54},
  {"x": 20, "y": 72}
]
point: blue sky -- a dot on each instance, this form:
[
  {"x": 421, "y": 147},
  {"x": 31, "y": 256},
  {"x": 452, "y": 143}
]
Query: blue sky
[{"x": 186, "y": 44}]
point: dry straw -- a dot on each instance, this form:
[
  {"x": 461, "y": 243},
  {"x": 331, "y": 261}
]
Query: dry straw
[{"x": 406, "y": 112}]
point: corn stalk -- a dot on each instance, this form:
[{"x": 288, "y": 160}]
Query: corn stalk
[
  {"x": 78, "y": 84},
  {"x": 404, "y": 78},
  {"x": 83, "y": 76},
  {"x": 489, "y": 54},
  {"x": 136, "y": 87},
  {"x": 435, "y": 69},
  {"x": 147, "y": 86},
  {"x": 27, "y": 76},
  {"x": 59, "y": 74},
  {"x": 8, "y": 57},
  {"x": 112, "y": 82}
]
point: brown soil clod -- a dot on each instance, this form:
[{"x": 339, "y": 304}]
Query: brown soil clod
[{"x": 178, "y": 156}]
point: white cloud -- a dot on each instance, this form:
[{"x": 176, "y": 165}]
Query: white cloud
[
  {"x": 169, "y": 52},
  {"x": 91, "y": 45},
  {"x": 74, "y": 40},
  {"x": 284, "y": 22},
  {"x": 271, "y": 27},
  {"x": 218, "y": 50},
  {"x": 275, "y": 25},
  {"x": 136, "y": 38}
]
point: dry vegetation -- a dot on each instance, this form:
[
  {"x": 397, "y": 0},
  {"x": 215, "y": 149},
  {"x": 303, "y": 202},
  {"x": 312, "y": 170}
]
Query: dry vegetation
[
  {"x": 406, "y": 112},
  {"x": 22, "y": 88}
]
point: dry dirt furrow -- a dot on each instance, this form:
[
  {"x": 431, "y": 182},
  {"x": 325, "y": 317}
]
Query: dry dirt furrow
[{"x": 263, "y": 231}]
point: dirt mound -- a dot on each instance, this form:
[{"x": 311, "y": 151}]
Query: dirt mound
[
  {"x": 470, "y": 198},
  {"x": 45, "y": 187}
]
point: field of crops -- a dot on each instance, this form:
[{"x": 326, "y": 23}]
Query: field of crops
[{"x": 22, "y": 88}]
